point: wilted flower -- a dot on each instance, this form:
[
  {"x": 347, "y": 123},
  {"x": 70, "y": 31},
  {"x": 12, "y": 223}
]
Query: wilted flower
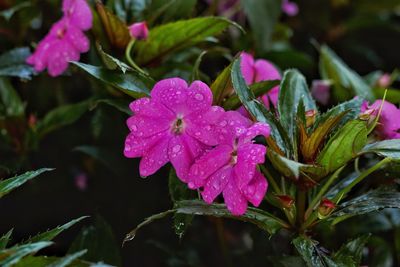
[
  {"x": 65, "y": 40},
  {"x": 290, "y": 8},
  {"x": 255, "y": 71},
  {"x": 175, "y": 125},
  {"x": 139, "y": 30},
  {"x": 231, "y": 167},
  {"x": 389, "y": 122}
]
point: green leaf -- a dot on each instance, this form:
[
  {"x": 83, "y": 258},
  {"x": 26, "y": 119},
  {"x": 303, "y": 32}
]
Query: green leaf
[
  {"x": 263, "y": 16},
  {"x": 7, "y": 185},
  {"x": 386, "y": 148},
  {"x": 100, "y": 243},
  {"x": 257, "y": 109},
  {"x": 352, "y": 251},
  {"x": 67, "y": 260},
  {"x": 10, "y": 99},
  {"x": 130, "y": 83},
  {"x": 111, "y": 62},
  {"x": 347, "y": 83},
  {"x": 60, "y": 117},
  {"x": 311, "y": 254},
  {"x": 12, "y": 63},
  {"x": 371, "y": 201},
  {"x": 264, "y": 220},
  {"x": 259, "y": 89},
  {"x": 196, "y": 68},
  {"x": 5, "y": 239},
  {"x": 344, "y": 145},
  {"x": 11, "y": 256},
  {"x": 51, "y": 234},
  {"x": 293, "y": 89},
  {"x": 222, "y": 85},
  {"x": 8, "y": 13},
  {"x": 120, "y": 104},
  {"x": 186, "y": 33}
]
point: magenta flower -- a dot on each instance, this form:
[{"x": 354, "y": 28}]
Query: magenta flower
[
  {"x": 389, "y": 122},
  {"x": 290, "y": 8},
  {"x": 231, "y": 167},
  {"x": 65, "y": 40},
  {"x": 176, "y": 124},
  {"x": 139, "y": 30},
  {"x": 260, "y": 70}
]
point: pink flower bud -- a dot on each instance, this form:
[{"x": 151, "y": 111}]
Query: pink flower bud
[
  {"x": 139, "y": 30},
  {"x": 384, "y": 80}
]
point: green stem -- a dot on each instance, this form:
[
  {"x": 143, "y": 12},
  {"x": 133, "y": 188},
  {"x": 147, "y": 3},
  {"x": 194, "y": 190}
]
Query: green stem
[
  {"x": 322, "y": 192},
  {"x": 271, "y": 180},
  {"x": 361, "y": 177},
  {"x": 130, "y": 60}
]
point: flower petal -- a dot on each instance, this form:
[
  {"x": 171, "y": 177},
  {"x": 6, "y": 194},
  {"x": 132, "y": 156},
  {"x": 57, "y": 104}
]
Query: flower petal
[
  {"x": 60, "y": 54},
  {"x": 146, "y": 107},
  {"x": 180, "y": 155},
  {"x": 199, "y": 97},
  {"x": 265, "y": 70},
  {"x": 172, "y": 93},
  {"x": 231, "y": 125},
  {"x": 216, "y": 184},
  {"x": 144, "y": 126},
  {"x": 207, "y": 164},
  {"x": 234, "y": 200},
  {"x": 136, "y": 146},
  {"x": 78, "y": 12},
  {"x": 156, "y": 157},
  {"x": 256, "y": 129},
  {"x": 256, "y": 189},
  {"x": 247, "y": 159},
  {"x": 247, "y": 67},
  {"x": 78, "y": 39}
]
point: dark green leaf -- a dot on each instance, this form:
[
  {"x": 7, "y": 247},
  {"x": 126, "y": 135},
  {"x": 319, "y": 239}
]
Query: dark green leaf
[
  {"x": 60, "y": 117},
  {"x": 263, "y": 16},
  {"x": 293, "y": 89},
  {"x": 258, "y": 110},
  {"x": 120, "y": 104},
  {"x": 7, "y": 185},
  {"x": 344, "y": 145},
  {"x": 51, "y": 234},
  {"x": 12, "y": 63},
  {"x": 352, "y": 251},
  {"x": 369, "y": 202},
  {"x": 8, "y": 13},
  {"x": 381, "y": 254},
  {"x": 111, "y": 62},
  {"x": 130, "y": 83},
  {"x": 11, "y": 256},
  {"x": 222, "y": 85},
  {"x": 67, "y": 260},
  {"x": 186, "y": 33},
  {"x": 100, "y": 243},
  {"x": 347, "y": 83},
  {"x": 385, "y": 148},
  {"x": 10, "y": 99},
  {"x": 5, "y": 239},
  {"x": 196, "y": 67},
  {"x": 311, "y": 254}
]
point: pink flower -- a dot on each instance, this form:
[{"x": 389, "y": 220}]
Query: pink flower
[
  {"x": 389, "y": 122},
  {"x": 176, "y": 124},
  {"x": 321, "y": 91},
  {"x": 385, "y": 80},
  {"x": 231, "y": 167},
  {"x": 255, "y": 71},
  {"x": 290, "y": 8},
  {"x": 65, "y": 40},
  {"x": 139, "y": 30}
]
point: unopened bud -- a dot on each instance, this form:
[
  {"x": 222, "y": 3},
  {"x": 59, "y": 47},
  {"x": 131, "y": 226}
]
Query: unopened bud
[
  {"x": 139, "y": 30},
  {"x": 285, "y": 201},
  {"x": 310, "y": 117},
  {"x": 325, "y": 208}
]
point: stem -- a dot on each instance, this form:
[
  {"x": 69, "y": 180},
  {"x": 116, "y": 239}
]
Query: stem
[
  {"x": 271, "y": 180},
  {"x": 301, "y": 205},
  {"x": 322, "y": 191},
  {"x": 361, "y": 177},
  {"x": 130, "y": 60}
]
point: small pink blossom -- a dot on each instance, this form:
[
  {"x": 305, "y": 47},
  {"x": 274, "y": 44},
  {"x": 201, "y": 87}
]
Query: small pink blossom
[
  {"x": 255, "y": 71},
  {"x": 290, "y": 8},
  {"x": 65, "y": 40},
  {"x": 176, "y": 124},
  {"x": 139, "y": 30},
  {"x": 384, "y": 81},
  {"x": 389, "y": 122},
  {"x": 231, "y": 167}
]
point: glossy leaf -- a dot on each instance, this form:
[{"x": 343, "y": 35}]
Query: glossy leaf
[
  {"x": 11, "y": 256},
  {"x": 351, "y": 252},
  {"x": 13, "y": 104},
  {"x": 116, "y": 30},
  {"x": 369, "y": 202},
  {"x": 347, "y": 83},
  {"x": 5, "y": 239},
  {"x": 385, "y": 148},
  {"x": 130, "y": 83},
  {"x": 258, "y": 110},
  {"x": 222, "y": 85},
  {"x": 344, "y": 145},
  {"x": 111, "y": 62},
  {"x": 293, "y": 89},
  {"x": 311, "y": 254},
  {"x": 51, "y": 234},
  {"x": 12, "y": 63},
  {"x": 7, "y": 185},
  {"x": 263, "y": 16},
  {"x": 60, "y": 117},
  {"x": 186, "y": 33}
]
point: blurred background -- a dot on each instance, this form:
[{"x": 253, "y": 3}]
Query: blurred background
[{"x": 91, "y": 175}]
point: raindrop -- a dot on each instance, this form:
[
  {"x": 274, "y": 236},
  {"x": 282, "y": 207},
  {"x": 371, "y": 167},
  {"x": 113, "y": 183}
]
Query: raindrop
[
  {"x": 176, "y": 148},
  {"x": 199, "y": 97}
]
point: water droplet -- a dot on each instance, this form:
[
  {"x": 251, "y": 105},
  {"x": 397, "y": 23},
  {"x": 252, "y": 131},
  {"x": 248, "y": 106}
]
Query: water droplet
[
  {"x": 199, "y": 97},
  {"x": 176, "y": 148}
]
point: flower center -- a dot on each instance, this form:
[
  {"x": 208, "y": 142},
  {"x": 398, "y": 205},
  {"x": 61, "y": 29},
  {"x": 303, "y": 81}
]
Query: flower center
[
  {"x": 234, "y": 154},
  {"x": 60, "y": 33},
  {"x": 178, "y": 126}
]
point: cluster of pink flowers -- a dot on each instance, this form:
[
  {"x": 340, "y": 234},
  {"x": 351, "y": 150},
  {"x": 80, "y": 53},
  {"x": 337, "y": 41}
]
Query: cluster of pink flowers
[
  {"x": 65, "y": 40},
  {"x": 209, "y": 148}
]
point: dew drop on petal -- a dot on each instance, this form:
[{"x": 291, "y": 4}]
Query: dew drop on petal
[
  {"x": 176, "y": 148},
  {"x": 199, "y": 97}
]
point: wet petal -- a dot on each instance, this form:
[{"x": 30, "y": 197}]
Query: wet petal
[
  {"x": 136, "y": 146},
  {"x": 256, "y": 189},
  {"x": 78, "y": 13},
  {"x": 78, "y": 39},
  {"x": 146, "y": 107},
  {"x": 247, "y": 67},
  {"x": 207, "y": 164},
  {"x": 156, "y": 157},
  {"x": 231, "y": 125},
  {"x": 144, "y": 126},
  {"x": 172, "y": 93},
  {"x": 234, "y": 200},
  {"x": 256, "y": 129},
  {"x": 247, "y": 159},
  {"x": 59, "y": 56},
  {"x": 216, "y": 184},
  {"x": 180, "y": 156},
  {"x": 199, "y": 97}
]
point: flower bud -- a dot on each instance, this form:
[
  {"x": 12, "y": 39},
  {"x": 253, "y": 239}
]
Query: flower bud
[
  {"x": 384, "y": 81},
  {"x": 139, "y": 30},
  {"x": 310, "y": 117},
  {"x": 325, "y": 208},
  {"x": 285, "y": 201}
]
